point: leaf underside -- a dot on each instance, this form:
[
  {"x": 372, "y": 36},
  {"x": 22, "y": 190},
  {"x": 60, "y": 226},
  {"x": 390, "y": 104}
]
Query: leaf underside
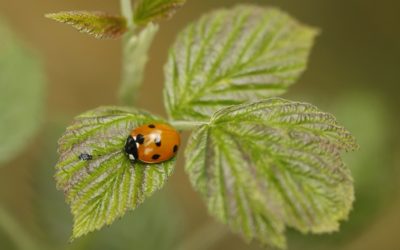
[
  {"x": 271, "y": 164},
  {"x": 99, "y": 24},
  {"x": 153, "y": 10},
  {"x": 102, "y": 189},
  {"x": 22, "y": 84},
  {"x": 232, "y": 56}
]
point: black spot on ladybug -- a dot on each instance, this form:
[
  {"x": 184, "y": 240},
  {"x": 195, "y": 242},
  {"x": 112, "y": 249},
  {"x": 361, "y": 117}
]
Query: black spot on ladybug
[
  {"x": 155, "y": 157},
  {"x": 152, "y": 126},
  {"x": 85, "y": 157},
  {"x": 140, "y": 139},
  {"x": 157, "y": 141},
  {"x": 175, "y": 148}
]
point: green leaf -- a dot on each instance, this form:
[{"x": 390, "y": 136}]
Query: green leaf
[
  {"x": 232, "y": 56},
  {"x": 271, "y": 164},
  {"x": 152, "y": 10},
  {"x": 135, "y": 56},
  {"x": 21, "y": 94},
  {"x": 98, "y": 24},
  {"x": 374, "y": 185},
  {"x": 102, "y": 189}
]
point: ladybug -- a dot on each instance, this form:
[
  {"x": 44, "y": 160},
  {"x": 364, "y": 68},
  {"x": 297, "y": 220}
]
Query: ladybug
[{"x": 152, "y": 143}]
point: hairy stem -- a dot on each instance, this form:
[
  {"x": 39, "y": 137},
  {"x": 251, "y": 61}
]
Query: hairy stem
[
  {"x": 127, "y": 11},
  {"x": 128, "y": 71},
  {"x": 135, "y": 56},
  {"x": 135, "y": 49}
]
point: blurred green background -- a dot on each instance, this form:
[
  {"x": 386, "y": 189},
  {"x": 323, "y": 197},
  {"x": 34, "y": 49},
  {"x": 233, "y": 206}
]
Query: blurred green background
[{"x": 353, "y": 73}]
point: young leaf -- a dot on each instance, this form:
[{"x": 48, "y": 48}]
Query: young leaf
[
  {"x": 98, "y": 24},
  {"x": 103, "y": 187},
  {"x": 135, "y": 50},
  {"x": 22, "y": 84},
  {"x": 233, "y": 56},
  {"x": 152, "y": 10},
  {"x": 270, "y": 164}
]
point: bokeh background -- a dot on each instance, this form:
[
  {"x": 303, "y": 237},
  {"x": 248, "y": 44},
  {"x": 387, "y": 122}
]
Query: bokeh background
[{"x": 353, "y": 73}]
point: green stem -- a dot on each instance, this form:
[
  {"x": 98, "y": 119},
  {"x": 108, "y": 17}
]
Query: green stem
[
  {"x": 135, "y": 49},
  {"x": 186, "y": 125},
  {"x": 134, "y": 59},
  {"x": 127, "y": 11},
  {"x": 16, "y": 233}
]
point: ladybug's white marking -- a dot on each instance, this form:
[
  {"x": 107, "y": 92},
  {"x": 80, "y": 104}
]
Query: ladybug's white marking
[
  {"x": 131, "y": 157},
  {"x": 148, "y": 150},
  {"x": 137, "y": 144}
]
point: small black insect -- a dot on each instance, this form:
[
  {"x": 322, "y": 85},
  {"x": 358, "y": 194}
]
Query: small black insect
[{"x": 85, "y": 157}]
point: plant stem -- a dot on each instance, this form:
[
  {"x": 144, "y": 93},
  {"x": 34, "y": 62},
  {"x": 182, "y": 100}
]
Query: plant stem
[
  {"x": 16, "y": 233},
  {"x": 134, "y": 59},
  {"x": 128, "y": 70},
  {"x": 127, "y": 11},
  {"x": 186, "y": 125}
]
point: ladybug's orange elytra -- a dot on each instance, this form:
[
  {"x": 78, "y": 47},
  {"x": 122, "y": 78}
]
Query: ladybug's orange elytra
[{"x": 152, "y": 143}]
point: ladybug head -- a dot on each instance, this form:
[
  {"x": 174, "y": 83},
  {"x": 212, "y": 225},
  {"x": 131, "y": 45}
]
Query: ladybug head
[{"x": 131, "y": 148}]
